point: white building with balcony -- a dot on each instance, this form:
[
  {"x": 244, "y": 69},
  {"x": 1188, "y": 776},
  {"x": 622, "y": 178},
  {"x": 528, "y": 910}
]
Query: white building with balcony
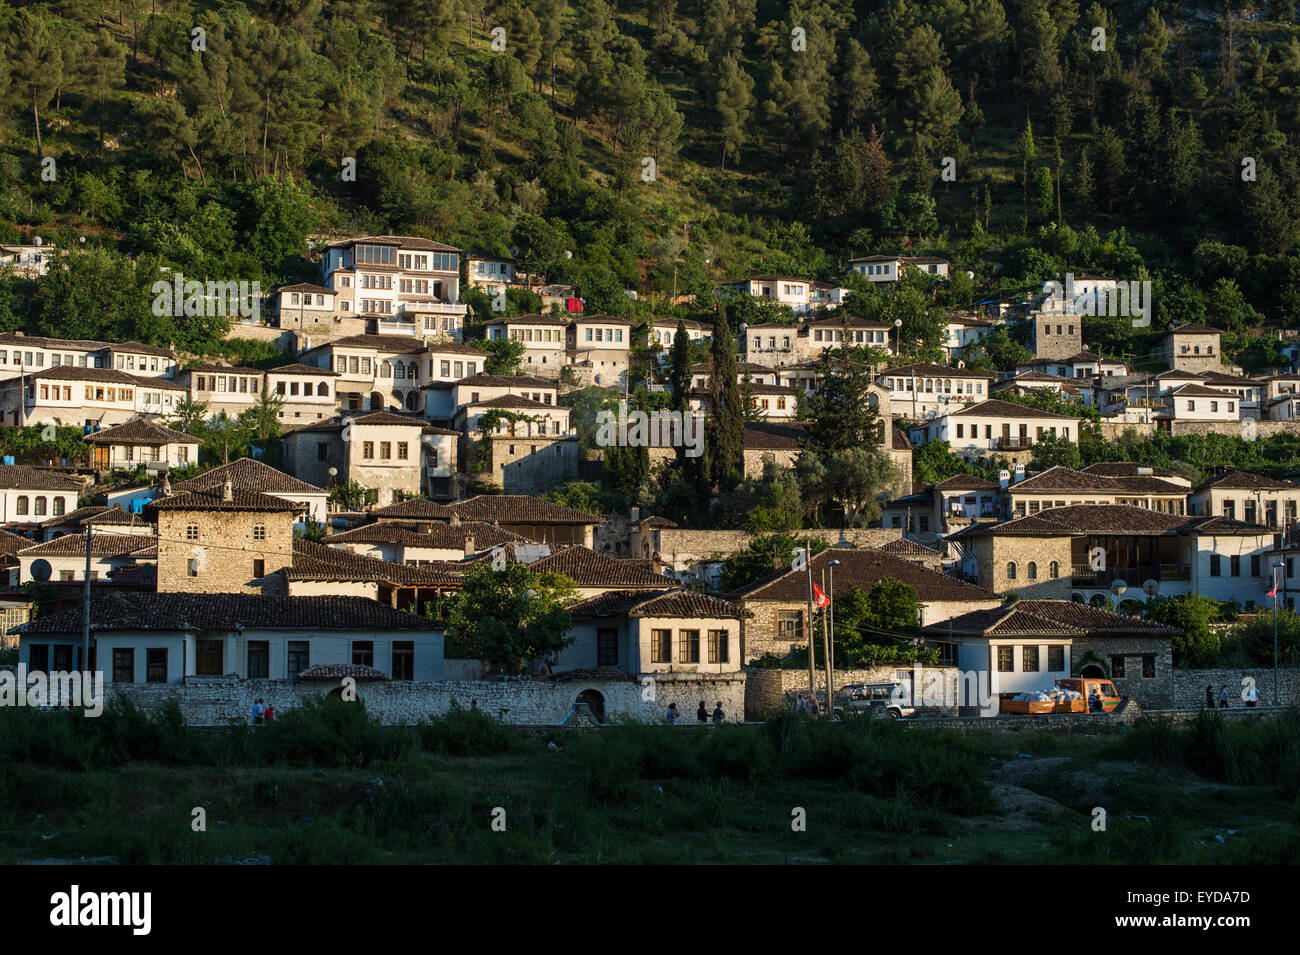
[
  {"x": 408, "y": 284},
  {"x": 995, "y": 428}
]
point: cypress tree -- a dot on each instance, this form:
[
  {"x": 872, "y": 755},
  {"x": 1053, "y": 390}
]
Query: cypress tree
[{"x": 725, "y": 427}]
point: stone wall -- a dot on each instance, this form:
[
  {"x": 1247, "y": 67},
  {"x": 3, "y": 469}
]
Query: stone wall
[
  {"x": 767, "y": 690},
  {"x": 225, "y": 548},
  {"x": 992, "y": 553},
  {"x": 1262, "y": 429},
  {"x": 281, "y": 338},
  {"x": 683, "y": 545},
  {"x": 1187, "y": 689},
  {"x": 215, "y": 701},
  {"x": 1155, "y": 692}
]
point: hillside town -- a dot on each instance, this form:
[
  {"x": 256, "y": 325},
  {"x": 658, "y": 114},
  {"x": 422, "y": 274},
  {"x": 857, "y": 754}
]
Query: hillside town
[{"x": 354, "y": 509}]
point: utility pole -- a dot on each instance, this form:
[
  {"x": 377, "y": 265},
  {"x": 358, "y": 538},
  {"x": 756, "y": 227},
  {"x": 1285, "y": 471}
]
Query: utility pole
[
  {"x": 808, "y": 624},
  {"x": 830, "y": 642},
  {"x": 85, "y": 604}
]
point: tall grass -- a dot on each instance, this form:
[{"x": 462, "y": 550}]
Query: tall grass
[{"x": 1264, "y": 752}]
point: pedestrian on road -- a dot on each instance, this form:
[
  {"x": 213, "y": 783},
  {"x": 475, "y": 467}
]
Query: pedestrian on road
[{"x": 702, "y": 714}]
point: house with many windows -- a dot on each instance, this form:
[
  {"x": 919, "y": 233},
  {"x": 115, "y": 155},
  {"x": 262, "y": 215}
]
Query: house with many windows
[
  {"x": 926, "y": 390},
  {"x": 1253, "y": 498},
  {"x": 409, "y": 285},
  {"x": 995, "y": 428},
  {"x": 889, "y": 268},
  {"x": 141, "y": 442},
  {"x": 89, "y": 397},
  {"x": 29, "y": 494},
  {"x": 543, "y": 337},
  {"x": 598, "y": 348}
]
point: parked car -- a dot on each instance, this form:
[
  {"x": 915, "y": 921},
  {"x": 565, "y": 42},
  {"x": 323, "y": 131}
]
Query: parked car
[{"x": 892, "y": 698}]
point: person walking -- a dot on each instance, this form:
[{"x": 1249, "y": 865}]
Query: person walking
[
  {"x": 1223, "y": 697},
  {"x": 257, "y": 711},
  {"x": 673, "y": 715},
  {"x": 813, "y": 706},
  {"x": 1251, "y": 695},
  {"x": 702, "y": 714},
  {"x": 1209, "y": 695},
  {"x": 268, "y": 713},
  {"x": 1094, "y": 701},
  {"x": 718, "y": 715},
  {"x": 800, "y": 704}
]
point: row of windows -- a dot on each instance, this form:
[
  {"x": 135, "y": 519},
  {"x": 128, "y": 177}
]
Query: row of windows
[
  {"x": 1159, "y": 506},
  {"x": 241, "y": 384},
  {"x": 1234, "y": 566},
  {"x": 937, "y": 386},
  {"x": 296, "y": 299},
  {"x": 688, "y": 646},
  {"x": 381, "y": 306},
  {"x": 385, "y": 450},
  {"x": 605, "y": 334},
  {"x": 377, "y": 281},
  {"x": 210, "y": 659},
  {"x": 1031, "y": 570},
  {"x": 540, "y": 334},
  {"x": 1031, "y": 659},
  {"x": 461, "y": 369},
  {"x": 51, "y": 392},
  {"x": 192, "y": 532},
  {"x": 23, "y": 504},
  {"x": 322, "y": 389},
  {"x": 1214, "y": 405},
  {"x": 37, "y": 360},
  {"x": 1250, "y": 511}
]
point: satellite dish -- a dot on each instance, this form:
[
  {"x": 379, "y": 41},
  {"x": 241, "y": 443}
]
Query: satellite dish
[
  {"x": 41, "y": 570},
  {"x": 1119, "y": 588},
  {"x": 38, "y": 241},
  {"x": 1151, "y": 586}
]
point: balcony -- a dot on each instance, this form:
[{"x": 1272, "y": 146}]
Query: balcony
[
  {"x": 1015, "y": 444},
  {"x": 1082, "y": 575}
]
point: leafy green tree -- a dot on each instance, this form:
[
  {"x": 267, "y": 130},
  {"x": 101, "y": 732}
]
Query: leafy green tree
[
  {"x": 1198, "y": 645},
  {"x": 724, "y": 426},
  {"x": 763, "y": 555},
  {"x": 511, "y": 617},
  {"x": 733, "y": 99},
  {"x": 1053, "y": 450},
  {"x": 504, "y": 355},
  {"x": 226, "y": 436},
  {"x": 842, "y": 412},
  {"x": 35, "y": 64}
]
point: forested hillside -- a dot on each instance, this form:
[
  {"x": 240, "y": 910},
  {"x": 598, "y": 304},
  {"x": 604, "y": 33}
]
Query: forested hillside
[{"x": 213, "y": 138}]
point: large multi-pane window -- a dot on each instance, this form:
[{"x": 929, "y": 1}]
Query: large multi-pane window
[
  {"x": 661, "y": 646},
  {"x": 719, "y": 646},
  {"x": 688, "y": 646}
]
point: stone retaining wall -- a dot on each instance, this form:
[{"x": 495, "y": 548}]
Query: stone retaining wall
[
  {"x": 214, "y": 701},
  {"x": 1188, "y": 686}
]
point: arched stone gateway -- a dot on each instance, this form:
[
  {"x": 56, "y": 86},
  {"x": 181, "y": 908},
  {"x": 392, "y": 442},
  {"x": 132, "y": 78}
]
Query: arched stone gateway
[
  {"x": 595, "y": 701},
  {"x": 1092, "y": 670}
]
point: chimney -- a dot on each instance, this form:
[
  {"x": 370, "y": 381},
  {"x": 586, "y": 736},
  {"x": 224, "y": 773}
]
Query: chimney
[
  {"x": 455, "y": 519},
  {"x": 634, "y": 514},
  {"x": 469, "y": 544},
  {"x": 1020, "y": 474},
  {"x": 1004, "y": 478},
  {"x": 1145, "y": 472},
  {"x": 227, "y": 492},
  {"x": 167, "y": 485}
]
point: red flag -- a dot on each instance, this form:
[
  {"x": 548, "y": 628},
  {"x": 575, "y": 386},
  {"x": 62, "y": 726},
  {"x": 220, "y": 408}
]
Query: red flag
[
  {"x": 1271, "y": 593},
  {"x": 819, "y": 597}
]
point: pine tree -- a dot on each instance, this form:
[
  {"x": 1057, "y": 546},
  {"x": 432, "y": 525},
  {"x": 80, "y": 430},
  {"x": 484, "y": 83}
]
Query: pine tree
[
  {"x": 735, "y": 93},
  {"x": 679, "y": 379}
]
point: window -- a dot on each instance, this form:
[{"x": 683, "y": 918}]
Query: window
[
  {"x": 403, "y": 660},
  {"x": 368, "y": 450},
  {"x": 299, "y": 656},
  {"x": 1117, "y": 667},
  {"x": 1148, "y": 666},
  {"x": 1214, "y": 565},
  {"x": 1011, "y": 570},
  {"x": 661, "y": 646},
  {"x": 191, "y": 532},
  {"x": 385, "y": 450},
  {"x": 322, "y": 451},
  {"x": 1054, "y": 570},
  {"x": 60, "y": 506},
  {"x": 1255, "y": 565},
  {"x": 123, "y": 665},
  {"x": 606, "y": 647},
  {"x": 259, "y": 567},
  {"x": 210, "y": 657},
  {"x": 40, "y": 506},
  {"x": 1032, "y": 572},
  {"x": 1234, "y": 566},
  {"x": 1029, "y": 659},
  {"x": 156, "y": 665},
  {"x": 259, "y": 659},
  {"x": 1006, "y": 660},
  {"x": 719, "y": 646},
  {"x": 402, "y": 452},
  {"x": 363, "y": 653},
  {"x": 688, "y": 646},
  {"x": 22, "y": 505},
  {"x": 1056, "y": 659},
  {"x": 259, "y": 532}
]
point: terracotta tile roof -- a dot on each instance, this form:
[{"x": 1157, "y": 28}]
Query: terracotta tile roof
[
  {"x": 434, "y": 536},
  {"x": 513, "y": 401},
  {"x": 24, "y": 478},
  {"x": 312, "y": 561},
  {"x": 413, "y": 507},
  {"x": 12, "y": 543},
  {"x": 519, "y": 509},
  {"x": 212, "y": 499},
  {"x": 1220, "y": 378},
  {"x": 139, "y": 348},
  {"x": 1048, "y": 618},
  {"x": 1068, "y": 479},
  {"x": 116, "y": 516},
  {"x": 1126, "y": 468},
  {"x": 1195, "y": 391},
  {"x": 307, "y": 287},
  {"x": 1026, "y": 377},
  {"x": 1116, "y": 519},
  {"x": 297, "y": 368},
  {"x": 390, "y": 419},
  {"x": 1006, "y": 409},
  {"x": 456, "y": 348},
  {"x": 902, "y": 547},
  {"x": 397, "y": 344},
  {"x": 250, "y": 475},
  {"x": 966, "y": 482},
  {"x": 861, "y": 568},
  {"x": 139, "y": 431},
  {"x": 674, "y": 602},
  {"x": 226, "y": 612},
  {"x": 74, "y": 517},
  {"x": 40, "y": 341},
  {"x": 531, "y": 320},
  {"x": 405, "y": 241},
  {"x": 102, "y": 545},
  {"x": 586, "y": 568},
  {"x": 108, "y": 375},
  {"x": 507, "y": 381},
  {"x": 656, "y": 521},
  {"x": 1244, "y": 480},
  {"x": 224, "y": 367},
  {"x": 1190, "y": 329}
]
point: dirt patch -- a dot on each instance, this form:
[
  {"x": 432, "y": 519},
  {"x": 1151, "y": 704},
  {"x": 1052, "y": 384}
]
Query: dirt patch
[{"x": 1022, "y": 809}]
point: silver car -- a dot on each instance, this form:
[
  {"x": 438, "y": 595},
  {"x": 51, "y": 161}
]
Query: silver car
[{"x": 891, "y": 698}]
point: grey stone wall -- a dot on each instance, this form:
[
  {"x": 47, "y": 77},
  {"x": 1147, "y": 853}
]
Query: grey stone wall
[
  {"x": 1187, "y": 687},
  {"x": 215, "y": 701}
]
